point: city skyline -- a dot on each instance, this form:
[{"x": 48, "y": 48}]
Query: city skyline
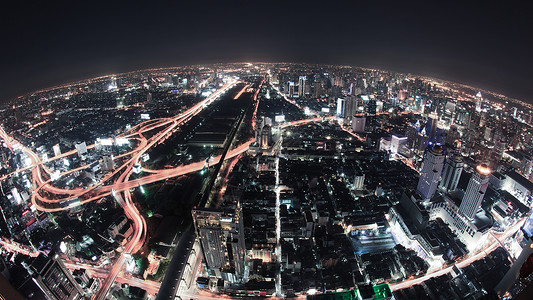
[
  {"x": 282, "y": 149},
  {"x": 482, "y": 45},
  {"x": 281, "y": 180}
]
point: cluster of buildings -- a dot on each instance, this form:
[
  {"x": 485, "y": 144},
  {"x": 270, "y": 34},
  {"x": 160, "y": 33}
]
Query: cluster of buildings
[{"x": 396, "y": 177}]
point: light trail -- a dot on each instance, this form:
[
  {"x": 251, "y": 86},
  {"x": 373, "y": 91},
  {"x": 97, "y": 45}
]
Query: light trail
[
  {"x": 12, "y": 246},
  {"x": 355, "y": 135},
  {"x": 285, "y": 97},
  {"x": 305, "y": 121},
  {"x": 240, "y": 92}
]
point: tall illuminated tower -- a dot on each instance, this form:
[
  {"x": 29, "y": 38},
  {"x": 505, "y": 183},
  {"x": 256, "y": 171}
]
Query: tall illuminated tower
[
  {"x": 475, "y": 191},
  {"x": 453, "y": 167},
  {"x": 301, "y": 86},
  {"x": 370, "y": 113},
  {"x": 431, "y": 126},
  {"x": 431, "y": 171},
  {"x": 479, "y": 99}
]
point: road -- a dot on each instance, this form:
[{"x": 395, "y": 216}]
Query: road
[{"x": 152, "y": 287}]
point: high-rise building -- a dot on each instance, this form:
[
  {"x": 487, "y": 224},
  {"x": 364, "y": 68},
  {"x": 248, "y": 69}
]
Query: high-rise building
[
  {"x": 370, "y": 112},
  {"x": 53, "y": 278},
  {"x": 107, "y": 163},
  {"x": 431, "y": 171},
  {"x": 475, "y": 191},
  {"x": 431, "y": 127},
  {"x": 358, "y": 123},
  {"x": 397, "y": 142},
  {"x": 82, "y": 148},
  {"x": 340, "y": 107},
  {"x": 359, "y": 181},
  {"x": 452, "y": 135},
  {"x": 57, "y": 150},
  {"x": 222, "y": 238},
  {"x": 453, "y": 167},
  {"x": 290, "y": 88},
  {"x": 319, "y": 87},
  {"x": 266, "y": 137},
  {"x": 479, "y": 99},
  {"x": 350, "y": 107},
  {"x": 499, "y": 149},
  {"x": 302, "y": 82},
  {"x": 526, "y": 164}
]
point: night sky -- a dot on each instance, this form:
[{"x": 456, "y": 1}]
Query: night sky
[{"x": 480, "y": 44}]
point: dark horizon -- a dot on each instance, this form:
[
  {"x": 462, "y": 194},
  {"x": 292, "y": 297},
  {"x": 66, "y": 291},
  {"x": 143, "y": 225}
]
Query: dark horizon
[{"x": 483, "y": 46}]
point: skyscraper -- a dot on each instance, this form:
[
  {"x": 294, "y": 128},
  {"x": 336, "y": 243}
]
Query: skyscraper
[
  {"x": 53, "y": 278},
  {"x": 431, "y": 126},
  {"x": 266, "y": 137},
  {"x": 290, "y": 88},
  {"x": 222, "y": 238},
  {"x": 475, "y": 191},
  {"x": 358, "y": 124},
  {"x": 107, "y": 163},
  {"x": 350, "y": 107},
  {"x": 370, "y": 113},
  {"x": 431, "y": 171},
  {"x": 340, "y": 107},
  {"x": 302, "y": 81},
  {"x": 453, "y": 168},
  {"x": 318, "y": 87},
  {"x": 479, "y": 99}
]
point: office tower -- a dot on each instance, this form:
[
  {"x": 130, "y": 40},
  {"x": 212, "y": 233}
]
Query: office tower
[
  {"x": 340, "y": 107},
  {"x": 453, "y": 167},
  {"x": 359, "y": 181},
  {"x": 370, "y": 113},
  {"x": 82, "y": 148},
  {"x": 221, "y": 235},
  {"x": 475, "y": 191},
  {"x": 319, "y": 89},
  {"x": 526, "y": 164},
  {"x": 431, "y": 127},
  {"x": 107, "y": 163},
  {"x": 302, "y": 81},
  {"x": 53, "y": 278},
  {"x": 431, "y": 171},
  {"x": 266, "y": 137},
  {"x": 397, "y": 143},
  {"x": 350, "y": 107},
  {"x": 479, "y": 99},
  {"x": 57, "y": 150},
  {"x": 290, "y": 89},
  {"x": 452, "y": 135},
  {"x": 358, "y": 124},
  {"x": 499, "y": 149}
]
